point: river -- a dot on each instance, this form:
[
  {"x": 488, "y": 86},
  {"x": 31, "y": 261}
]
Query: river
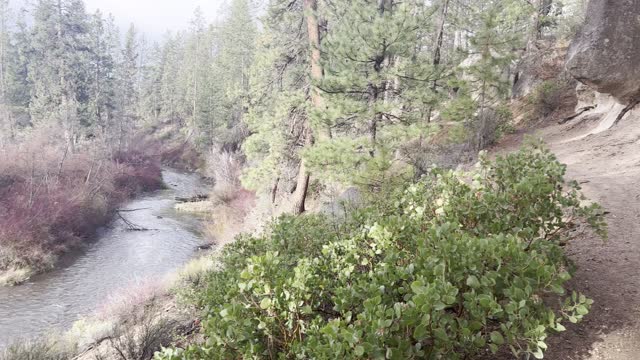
[{"x": 118, "y": 259}]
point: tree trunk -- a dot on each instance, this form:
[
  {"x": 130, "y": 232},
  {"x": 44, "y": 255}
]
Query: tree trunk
[
  {"x": 274, "y": 190},
  {"x": 302, "y": 186},
  {"x": 437, "y": 53},
  {"x": 313, "y": 33},
  {"x": 374, "y": 91},
  {"x": 544, "y": 8},
  {"x": 301, "y": 196},
  {"x": 482, "y": 119},
  {"x": 375, "y": 119}
]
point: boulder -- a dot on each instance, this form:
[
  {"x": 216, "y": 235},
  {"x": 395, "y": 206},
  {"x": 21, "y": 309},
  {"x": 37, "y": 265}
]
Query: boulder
[
  {"x": 606, "y": 53},
  {"x": 544, "y": 60},
  {"x": 348, "y": 201}
]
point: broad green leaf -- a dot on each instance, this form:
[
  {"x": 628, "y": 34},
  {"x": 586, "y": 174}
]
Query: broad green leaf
[
  {"x": 265, "y": 303},
  {"x": 496, "y": 338}
]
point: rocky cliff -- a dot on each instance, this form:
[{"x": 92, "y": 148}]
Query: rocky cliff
[{"x": 606, "y": 53}]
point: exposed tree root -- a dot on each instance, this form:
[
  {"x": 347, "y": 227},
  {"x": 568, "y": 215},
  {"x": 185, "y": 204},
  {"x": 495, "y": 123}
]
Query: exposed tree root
[
  {"x": 624, "y": 111},
  {"x": 580, "y": 112}
]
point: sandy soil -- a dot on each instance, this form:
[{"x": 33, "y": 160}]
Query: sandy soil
[{"x": 607, "y": 164}]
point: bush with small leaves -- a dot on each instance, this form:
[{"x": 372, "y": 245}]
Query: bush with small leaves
[
  {"x": 551, "y": 96},
  {"x": 458, "y": 264}
]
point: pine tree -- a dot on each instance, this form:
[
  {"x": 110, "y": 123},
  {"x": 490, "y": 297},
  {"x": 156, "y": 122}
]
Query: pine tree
[
  {"x": 370, "y": 86},
  {"x": 317, "y": 104},
  {"x": 197, "y": 57},
  {"x": 6, "y": 118},
  {"x": 500, "y": 27},
  {"x": 237, "y": 48},
  {"x": 170, "y": 67},
  {"x": 18, "y": 85},
  {"x": 279, "y": 83},
  {"x": 128, "y": 74},
  {"x": 151, "y": 86},
  {"x": 58, "y": 66},
  {"x": 104, "y": 44}
]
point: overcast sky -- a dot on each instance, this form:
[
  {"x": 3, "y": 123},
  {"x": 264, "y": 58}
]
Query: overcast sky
[{"x": 153, "y": 17}]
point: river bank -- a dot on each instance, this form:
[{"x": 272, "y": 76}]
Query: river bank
[
  {"x": 53, "y": 199},
  {"x": 119, "y": 259}
]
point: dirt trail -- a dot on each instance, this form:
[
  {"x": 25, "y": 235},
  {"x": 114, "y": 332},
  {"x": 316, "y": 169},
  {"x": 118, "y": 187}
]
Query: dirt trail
[{"x": 607, "y": 164}]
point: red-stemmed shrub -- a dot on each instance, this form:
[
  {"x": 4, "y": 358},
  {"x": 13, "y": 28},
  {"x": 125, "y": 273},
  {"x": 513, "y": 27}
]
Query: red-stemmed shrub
[{"x": 53, "y": 199}]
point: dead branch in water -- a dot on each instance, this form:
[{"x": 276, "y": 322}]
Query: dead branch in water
[
  {"x": 130, "y": 225},
  {"x": 195, "y": 198},
  {"x": 131, "y": 210}
]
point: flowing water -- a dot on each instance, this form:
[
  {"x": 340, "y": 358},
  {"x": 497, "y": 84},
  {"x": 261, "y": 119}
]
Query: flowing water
[{"x": 117, "y": 260}]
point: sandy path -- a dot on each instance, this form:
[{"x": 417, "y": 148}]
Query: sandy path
[{"x": 607, "y": 165}]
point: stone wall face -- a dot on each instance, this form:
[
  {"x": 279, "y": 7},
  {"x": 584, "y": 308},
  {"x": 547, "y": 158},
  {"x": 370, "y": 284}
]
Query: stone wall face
[{"x": 606, "y": 53}]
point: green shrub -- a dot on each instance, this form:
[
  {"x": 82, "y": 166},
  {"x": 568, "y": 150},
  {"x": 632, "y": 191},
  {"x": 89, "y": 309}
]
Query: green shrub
[
  {"x": 551, "y": 96},
  {"x": 455, "y": 265}
]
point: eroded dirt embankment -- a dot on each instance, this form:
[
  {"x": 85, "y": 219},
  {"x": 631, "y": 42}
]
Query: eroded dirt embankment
[{"x": 606, "y": 162}]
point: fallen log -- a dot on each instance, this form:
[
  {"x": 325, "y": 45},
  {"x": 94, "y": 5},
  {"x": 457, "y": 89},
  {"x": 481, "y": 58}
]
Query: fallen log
[
  {"x": 131, "y": 210},
  {"x": 206, "y": 246},
  {"x": 195, "y": 198}
]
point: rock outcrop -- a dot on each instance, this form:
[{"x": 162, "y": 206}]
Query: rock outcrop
[
  {"x": 543, "y": 60},
  {"x": 606, "y": 53}
]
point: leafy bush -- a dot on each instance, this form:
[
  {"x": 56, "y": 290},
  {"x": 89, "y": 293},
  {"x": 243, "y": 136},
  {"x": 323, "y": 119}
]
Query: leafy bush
[
  {"x": 552, "y": 96},
  {"x": 450, "y": 267}
]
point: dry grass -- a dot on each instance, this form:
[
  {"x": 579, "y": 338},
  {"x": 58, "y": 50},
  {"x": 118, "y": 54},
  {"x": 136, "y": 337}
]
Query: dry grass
[
  {"x": 229, "y": 203},
  {"x": 126, "y": 299},
  {"x": 86, "y": 332},
  {"x": 135, "y": 332},
  {"x": 44, "y": 349},
  {"x": 14, "y": 276},
  {"x": 196, "y": 268},
  {"x": 224, "y": 225},
  {"x": 229, "y": 213},
  {"x": 225, "y": 167},
  {"x": 143, "y": 332},
  {"x": 197, "y": 207}
]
